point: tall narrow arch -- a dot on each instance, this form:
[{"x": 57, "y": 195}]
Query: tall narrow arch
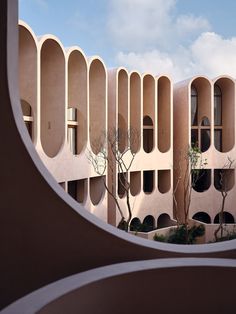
[
  {"x": 135, "y": 109},
  {"x": 123, "y": 113},
  {"x": 224, "y": 111},
  {"x": 200, "y": 116},
  {"x": 52, "y": 96},
  {"x": 149, "y": 119},
  {"x": 77, "y": 98},
  {"x": 97, "y": 104},
  {"x": 164, "y": 113}
]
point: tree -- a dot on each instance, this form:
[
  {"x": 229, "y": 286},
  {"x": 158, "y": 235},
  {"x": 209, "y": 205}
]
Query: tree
[
  {"x": 224, "y": 188},
  {"x": 116, "y": 156},
  {"x": 189, "y": 170}
]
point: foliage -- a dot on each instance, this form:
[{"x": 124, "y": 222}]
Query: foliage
[
  {"x": 178, "y": 235},
  {"x": 159, "y": 237}
]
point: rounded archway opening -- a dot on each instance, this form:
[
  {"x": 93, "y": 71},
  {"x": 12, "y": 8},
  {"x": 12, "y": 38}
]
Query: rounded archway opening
[
  {"x": 52, "y": 97},
  {"x": 203, "y": 217},
  {"x": 164, "y": 114},
  {"x": 227, "y": 218},
  {"x": 77, "y": 100},
  {"x": 164, "y": 221},
  {"x": 135, "y": 224},
  {"x": 224, "y": 114},
  {"x": 148, "y": 223},
  {"x": 97, "y": 105}
]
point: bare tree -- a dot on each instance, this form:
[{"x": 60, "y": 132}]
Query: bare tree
[
  {"x": 117, "y": 157},
  {"x": 188, "y": 172},
  {"x": 224, "y": 188}
]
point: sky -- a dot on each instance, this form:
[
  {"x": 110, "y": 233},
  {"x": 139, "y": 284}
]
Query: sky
[{"x": 180, "y": 38}]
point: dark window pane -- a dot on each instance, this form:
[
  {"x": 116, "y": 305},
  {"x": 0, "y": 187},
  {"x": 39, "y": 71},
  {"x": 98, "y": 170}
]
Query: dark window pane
[
  {"x": 218, "y": 140},
  {"x": 194, "y": 110},
  {"x": 72, "y": 189},
  {"x": 201, "y": 180},
  {"x": 147, "y": 140},
  {"x": 194, "y": 137},
  {"x": 217, "y": 105},
  {"x": 205, "y": 140},
  {"x": 148, "y": 178}
]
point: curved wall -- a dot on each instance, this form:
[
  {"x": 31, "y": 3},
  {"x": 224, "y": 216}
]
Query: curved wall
[{"x": 28, "y": 72}]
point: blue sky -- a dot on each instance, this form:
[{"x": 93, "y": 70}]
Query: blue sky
[{"x": 180, "y": 38}]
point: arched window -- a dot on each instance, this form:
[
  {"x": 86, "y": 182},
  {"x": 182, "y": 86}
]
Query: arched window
[
  {"x": 27, "y": 116},
  {"x": 203, "y": 217},
  {"x": 72, "y": 125},
  {"x": 227, "y": 218},
  {"x": 218, "y": 117},
  {"x": 194, "y": 106},
  {"x": 164, "y": 221},
  {"x": 148, "y": 223},
  {"x": 147, "y": 134},
  {"x": 135, "y": 224},
  {"x": 200, "y": 131}
]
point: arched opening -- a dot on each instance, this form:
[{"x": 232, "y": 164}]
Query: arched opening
[
  {"x": 203, "y": 217},
  {"x": 224, "y": 179},
  {"x": 148, "y": 181},
  {"x": 164, "y": 181},
  {"x": 201, "y": 180},
  {"x": 164, "y": 221},
  {"x": 28, "y": 79},
  {"x": 77, "y": 99},
  {"x": 28, "y": 117},
  {"x": 135, "y": 224},
  {"x": 78, "y": 189},
  {"x": 97, "y": 189},
  {"x": 135, "y": 182},
  {"x": 164, "y": 113},
  {"x": 148, "y": 133},
  {"x": 201, "y": 114},
  {"x": 123, "y": 108},
  {"x": 52, "y": 97},
  {"x": 148, "y": 113},
  {"x": 148, "y": 223},
  {"x": 97, "y": 104},
  {"x": 227, "y": 218},
  {"x": 224, "y": 111},
  {"x": 135, "y": 109}
]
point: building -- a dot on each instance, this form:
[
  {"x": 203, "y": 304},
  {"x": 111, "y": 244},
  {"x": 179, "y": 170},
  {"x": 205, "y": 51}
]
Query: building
[
  {"x": 49, "y": 241},
  {"x": 70, "y": 101}
]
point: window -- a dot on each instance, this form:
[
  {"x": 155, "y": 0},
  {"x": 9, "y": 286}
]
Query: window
[
  {"x": 194, "y": 106},
  {"x": 203, "y": 182},
  {"x": 72, "y": 129},
  {"x": 148, "y": 181},
  {"x": 200, "y": 131},
  {"x": 147, "y": 134},
  {"x": 203, "y": 217},
  {"x": 27, "y": 116},
  {"x": 218, "y": 118}
]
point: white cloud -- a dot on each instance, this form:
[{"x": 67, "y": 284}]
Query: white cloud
[{"x": 150, "y": 38}]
